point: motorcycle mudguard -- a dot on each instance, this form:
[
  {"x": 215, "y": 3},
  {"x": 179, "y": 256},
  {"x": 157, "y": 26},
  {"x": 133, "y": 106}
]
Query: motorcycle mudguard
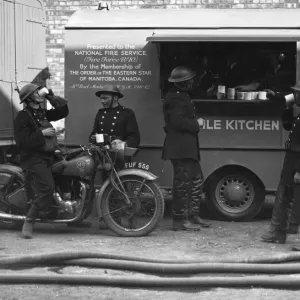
[
  {"x": 138, "y": 172},
  {"x": 13, "y": 169}
]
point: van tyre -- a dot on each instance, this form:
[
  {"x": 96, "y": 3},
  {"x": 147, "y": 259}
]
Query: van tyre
[
  {"x": 234, "y": 195},
  {"x": 142, "y": 217}
]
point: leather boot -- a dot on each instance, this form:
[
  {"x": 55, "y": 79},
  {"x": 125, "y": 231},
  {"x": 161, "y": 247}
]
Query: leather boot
[
  {"x": 185, "y": 225},
  {"x": 27, "y": 229},
  {"x": 198, "y": 220},
  {"x": 274, "y": 235}
]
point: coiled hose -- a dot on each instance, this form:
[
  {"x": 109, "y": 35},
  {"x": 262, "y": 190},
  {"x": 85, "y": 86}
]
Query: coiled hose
[{"x": 271, "y": 264}]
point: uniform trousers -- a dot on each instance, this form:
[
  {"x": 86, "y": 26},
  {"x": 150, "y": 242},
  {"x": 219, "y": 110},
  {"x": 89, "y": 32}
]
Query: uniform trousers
[
  {"x": 40, "y": 180},
  {"x": 188, "y": 184},
  {"x": 286, "y": 192}
]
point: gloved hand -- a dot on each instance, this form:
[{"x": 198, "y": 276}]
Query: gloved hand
[
  {"x": 297, "y": 177},
  {"x": 118, "y": 144},
  {"x": 55, "y": 101}
]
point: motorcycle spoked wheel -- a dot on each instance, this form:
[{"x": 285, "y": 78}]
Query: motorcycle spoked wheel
[
  {"x": 139, "y": 219},
  {"x": 18, "y": 182}
]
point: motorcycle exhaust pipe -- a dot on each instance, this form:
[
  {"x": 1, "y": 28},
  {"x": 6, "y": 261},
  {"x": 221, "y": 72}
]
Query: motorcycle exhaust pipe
[{"x": 9, "y": 217}]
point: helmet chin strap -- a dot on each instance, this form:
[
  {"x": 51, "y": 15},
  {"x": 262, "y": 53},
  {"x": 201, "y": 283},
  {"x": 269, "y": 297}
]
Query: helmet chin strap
[
  {"x": 185, "y": 85},
  {"x": 112, "y": 101},
  {"x": 33, "y": 101}
]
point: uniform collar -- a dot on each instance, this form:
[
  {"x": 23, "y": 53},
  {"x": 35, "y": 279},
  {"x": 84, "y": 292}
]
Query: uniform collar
[{"x": 112, "y": 108}]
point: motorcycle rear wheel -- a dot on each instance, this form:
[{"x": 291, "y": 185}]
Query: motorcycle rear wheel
[
  {"x": 139, "y": 219},
  {"x": 18, "y": 182}
]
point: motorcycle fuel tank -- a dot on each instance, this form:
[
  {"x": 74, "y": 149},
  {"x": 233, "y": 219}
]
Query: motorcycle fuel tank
[{"x": 79, "y": 166}]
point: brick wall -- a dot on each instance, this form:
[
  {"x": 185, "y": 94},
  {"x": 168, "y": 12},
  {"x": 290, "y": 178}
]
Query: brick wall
[{"x": 59, "y": 11}]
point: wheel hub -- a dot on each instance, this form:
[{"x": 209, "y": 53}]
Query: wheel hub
[{"x": 234, "y": 194}]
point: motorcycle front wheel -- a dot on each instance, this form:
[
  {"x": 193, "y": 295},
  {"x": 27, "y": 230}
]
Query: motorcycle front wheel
[{"x": 142, "y": 216}]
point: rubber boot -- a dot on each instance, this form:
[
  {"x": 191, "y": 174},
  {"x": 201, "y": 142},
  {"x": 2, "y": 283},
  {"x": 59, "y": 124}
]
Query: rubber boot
[
  {"x": 198, "y": 220},
  {"x": 274, "y": 235},
  {"x": 27, "y": 229},
  {"x": 295, "y": 211},
  {"x": 185, "y": 225}
]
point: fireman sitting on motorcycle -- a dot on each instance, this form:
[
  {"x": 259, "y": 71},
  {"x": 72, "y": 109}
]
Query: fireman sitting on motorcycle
[
  {"x": 36, "y": 140},
  {"x": 115, "y": 120}
]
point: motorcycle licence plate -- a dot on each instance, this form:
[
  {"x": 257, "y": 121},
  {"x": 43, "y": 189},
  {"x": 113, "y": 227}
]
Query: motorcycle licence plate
[{"x": 137, "y": 165}]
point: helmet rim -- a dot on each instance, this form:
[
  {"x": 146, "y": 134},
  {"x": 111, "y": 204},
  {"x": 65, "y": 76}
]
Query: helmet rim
[
  {"x": 32, "y": 88},
  {"x": 109, "y": 89},
  {"x": 186, "y": 77}
]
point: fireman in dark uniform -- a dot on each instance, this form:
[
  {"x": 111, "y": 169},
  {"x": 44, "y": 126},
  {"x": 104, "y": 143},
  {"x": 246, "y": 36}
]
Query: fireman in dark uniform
[
  {"x": 30, "y": 140},
  {"x": 181, "y": 146},
  {"x": 115, "y": 120},
  {"x": 290, "y": 175}
]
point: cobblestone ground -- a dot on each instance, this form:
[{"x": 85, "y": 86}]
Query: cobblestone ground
[{"x": 223, "y": 239}]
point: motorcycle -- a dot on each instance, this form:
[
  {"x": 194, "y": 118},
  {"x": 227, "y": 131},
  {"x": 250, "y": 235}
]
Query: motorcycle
[{"x": 128, "y": 200}]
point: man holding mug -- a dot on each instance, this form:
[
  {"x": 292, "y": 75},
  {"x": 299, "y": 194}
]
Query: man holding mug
[
  {"x": 31, "y": 134},
  {"x": 181, "y": 146},
  {"x": 115, "y": 120}
]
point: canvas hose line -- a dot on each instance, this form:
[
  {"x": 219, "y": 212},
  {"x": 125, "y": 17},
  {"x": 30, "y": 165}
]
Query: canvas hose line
[{"x": 269, "y": 264}]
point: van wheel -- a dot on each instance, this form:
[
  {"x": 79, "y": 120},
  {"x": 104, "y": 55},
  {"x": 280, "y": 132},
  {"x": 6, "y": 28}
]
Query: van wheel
[{"x": 235, "y": 195}]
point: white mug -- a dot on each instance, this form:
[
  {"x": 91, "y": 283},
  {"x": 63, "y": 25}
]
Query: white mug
[
  {"x": 43, "y": 92},
  {"x": 230, "y": 93},
  {"x": 222, "y": 89},
  {"x": 240, "y": 95},
  {"x": 248, "y": 96},
  {"x": 99, "y": 138},
  {"x": 289, "y": 98},
  {"x": 262, "y": 95}
]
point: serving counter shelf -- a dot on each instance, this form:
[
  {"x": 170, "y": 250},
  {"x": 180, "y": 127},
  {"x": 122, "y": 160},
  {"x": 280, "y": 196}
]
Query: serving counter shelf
[{"x": 231, "y": 101}]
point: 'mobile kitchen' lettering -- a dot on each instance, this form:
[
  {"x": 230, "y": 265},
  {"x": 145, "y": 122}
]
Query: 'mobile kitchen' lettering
[{"x": 241, "y": 125}]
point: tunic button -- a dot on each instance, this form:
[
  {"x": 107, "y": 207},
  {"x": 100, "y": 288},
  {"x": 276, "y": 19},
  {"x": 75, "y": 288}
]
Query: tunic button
[
  {"x": 101, "y": 129},
  {"x": 115, "y": 117},
  {"x": 111, "y": 130},
  {"x": 113, "y": 124},
  {"x": 101, "y": 123},
  {"x": 102, "y": 117},
  {"x": 118, "y": 112},
  {"x": 105, "y": 112}
]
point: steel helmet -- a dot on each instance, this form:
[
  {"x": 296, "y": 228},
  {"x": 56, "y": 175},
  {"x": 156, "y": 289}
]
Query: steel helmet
[
  {"x": 181, "y": 73},
  {"x": 27, "y": 90},
  {"x": 296, "y": 86},
  {"x": 109, "y": 88}
]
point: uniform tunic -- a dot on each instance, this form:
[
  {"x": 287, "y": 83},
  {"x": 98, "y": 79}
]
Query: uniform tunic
[
  {"x": 118, "y": 122},
  {"x": 181, "y": 127},
  {"x": 181, "y": 146},
  {"x": 30, "y": 139}
]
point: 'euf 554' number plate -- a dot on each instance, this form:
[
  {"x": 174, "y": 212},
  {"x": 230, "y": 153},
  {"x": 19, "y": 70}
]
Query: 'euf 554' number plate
[{"x": 137, "y": 165}]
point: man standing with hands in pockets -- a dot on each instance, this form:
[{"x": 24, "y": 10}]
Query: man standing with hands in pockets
[{"x": 181, "y": 146}]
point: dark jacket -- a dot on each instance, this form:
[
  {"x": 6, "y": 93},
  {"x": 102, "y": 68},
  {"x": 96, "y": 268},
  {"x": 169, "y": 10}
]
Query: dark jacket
[
  {"x": 181, "y": 127},
  {"x": 118, "y": 122},
  {"x": 29, "y": 138},
  {"x": 292, "y": 124}
]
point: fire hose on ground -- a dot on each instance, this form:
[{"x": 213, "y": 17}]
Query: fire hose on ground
[{"x": 180, "y": 270}]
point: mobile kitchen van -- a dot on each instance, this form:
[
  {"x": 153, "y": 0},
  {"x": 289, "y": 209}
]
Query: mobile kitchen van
[{"x": 242, "y": 143}]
